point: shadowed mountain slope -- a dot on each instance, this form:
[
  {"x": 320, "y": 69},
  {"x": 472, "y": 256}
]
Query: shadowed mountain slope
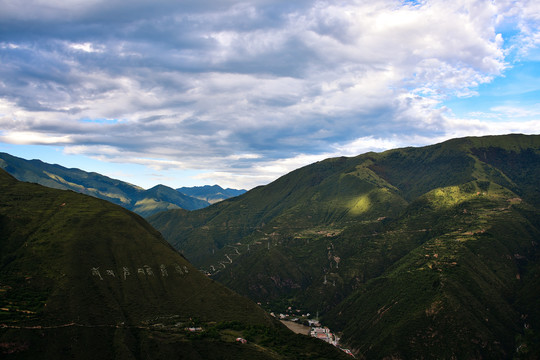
[
  {"x": 134, "y": 198},
  {"x": 83, "y": 278},
  {"x": 408, "y": 251}
]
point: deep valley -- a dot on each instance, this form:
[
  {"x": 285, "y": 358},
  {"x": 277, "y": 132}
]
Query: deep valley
[{"x": 426, "y": 252}]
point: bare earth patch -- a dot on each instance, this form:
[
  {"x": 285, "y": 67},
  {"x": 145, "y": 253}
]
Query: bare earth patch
[{"x": 296, "y": 328}]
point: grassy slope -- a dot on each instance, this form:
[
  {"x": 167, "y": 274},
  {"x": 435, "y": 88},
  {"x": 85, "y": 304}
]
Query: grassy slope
[
  {"x": 320, "y": 194},
  {"x": 457, "y": 290},
  {"x": 53, "y": 306},
  {"x": 297, "y": 226}
]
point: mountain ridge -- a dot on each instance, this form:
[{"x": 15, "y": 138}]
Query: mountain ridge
[
  {"x": 317, "y": 236},
  {"x": 210, "y": 193},
  {"x": 134, "y": 198}
]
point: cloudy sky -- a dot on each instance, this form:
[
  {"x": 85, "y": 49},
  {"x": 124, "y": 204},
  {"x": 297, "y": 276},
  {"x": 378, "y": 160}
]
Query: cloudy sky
[{"x": 238, "y": 93}]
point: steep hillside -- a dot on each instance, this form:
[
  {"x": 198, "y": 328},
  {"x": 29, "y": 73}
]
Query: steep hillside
[
  {"x": 83, "y": 278},
  {"x": 134, "y": 198},
  {"x": 210, "y": 193},
  {"x": 346, "y": 237},
  {"x": 317, "y": 195},
  {"x": 457, "y": 292}
]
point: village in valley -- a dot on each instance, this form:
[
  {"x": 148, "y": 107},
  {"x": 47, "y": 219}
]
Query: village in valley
[{"x": 302, "y": 324}]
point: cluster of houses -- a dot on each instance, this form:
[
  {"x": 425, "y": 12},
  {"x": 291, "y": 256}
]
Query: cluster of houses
[
  {"x": 316, "y": 330},
  {"x": 324, "y": 334}
]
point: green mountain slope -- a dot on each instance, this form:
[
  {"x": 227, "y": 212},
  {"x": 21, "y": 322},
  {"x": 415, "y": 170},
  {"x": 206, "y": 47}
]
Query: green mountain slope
[
  {"x": 134, "y": 198},
  {"x": 83, "y": 278},
  {"x": 346, "y": 237},
  {"x": 457, "y": 293}
]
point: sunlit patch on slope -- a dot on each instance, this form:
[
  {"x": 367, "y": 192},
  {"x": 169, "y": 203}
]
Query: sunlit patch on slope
[{"x": 360, "y": 205}]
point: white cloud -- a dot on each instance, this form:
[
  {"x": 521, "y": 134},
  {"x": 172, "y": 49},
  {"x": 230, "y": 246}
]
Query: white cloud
[
  {"x": 250, "y": 89},
  {"x": 475, "y": 127},
  {"x": 513, "y": 112},
  {"x": 367, "y": 144},
  {"x": 34, "y": 138},
  {"x": 86, "y": 47}
]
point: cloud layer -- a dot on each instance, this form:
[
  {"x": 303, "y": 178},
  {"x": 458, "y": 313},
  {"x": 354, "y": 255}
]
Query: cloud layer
[{"x": 251, "y": 89}]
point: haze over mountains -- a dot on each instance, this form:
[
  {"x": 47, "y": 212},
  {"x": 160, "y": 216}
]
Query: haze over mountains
[
  {"x": 415, "y": 252},
  {"x": 134, "y": 198}
]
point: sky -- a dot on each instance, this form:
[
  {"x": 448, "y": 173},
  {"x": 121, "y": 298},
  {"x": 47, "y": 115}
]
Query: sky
[{"x": 238, "y": 93}]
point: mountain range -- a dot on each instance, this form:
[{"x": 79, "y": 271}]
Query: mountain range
[
  {"x": 425, "y": 252},
  {"x": 210, "y": 193},
  {"x": 134, "y": 198},
  {"x": 428, "y": 252},
  {"x": 82, "y": 278}
]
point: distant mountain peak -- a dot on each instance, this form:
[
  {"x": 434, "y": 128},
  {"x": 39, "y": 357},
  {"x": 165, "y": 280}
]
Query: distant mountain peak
[{"x": 210, "y": 193}]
